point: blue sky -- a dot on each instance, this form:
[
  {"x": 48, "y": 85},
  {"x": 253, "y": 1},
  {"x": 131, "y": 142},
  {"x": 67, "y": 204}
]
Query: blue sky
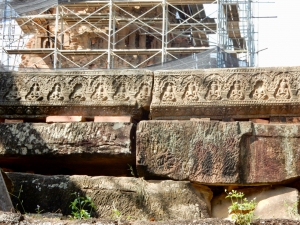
[{"x": 281, "y": 35}]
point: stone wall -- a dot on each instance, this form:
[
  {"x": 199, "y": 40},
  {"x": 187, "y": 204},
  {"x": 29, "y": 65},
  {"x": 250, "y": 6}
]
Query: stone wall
[{"x": 205, "y": 134}]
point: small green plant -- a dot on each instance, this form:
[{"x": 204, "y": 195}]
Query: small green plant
[
  {"x": 79, "y": 207},
  {"x": 117, "y": 215},
  {"x": 19, "y": 199},
  {"x": 241, "y": 210},
  {"x": 38, "y": 209},
  {"x": 131, "y": 170}
]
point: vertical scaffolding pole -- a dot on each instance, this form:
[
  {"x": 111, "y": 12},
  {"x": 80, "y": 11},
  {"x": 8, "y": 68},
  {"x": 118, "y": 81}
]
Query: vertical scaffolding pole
[
  {"x": 109, "y": 35},
  {"x": 55, "y": 37},
  {"x": 163, "y": 32}
]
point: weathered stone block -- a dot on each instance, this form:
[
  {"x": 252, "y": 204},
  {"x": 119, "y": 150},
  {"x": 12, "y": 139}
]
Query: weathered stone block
[
  {"x": 219, "y": 153},
  {"x": 271, "y": 153},
  {"x": 277, "y": 202},
  {"x": 206, "y": 152},
  {"x": 64, "y": 148},
  {"x": 134, "y": 197},
  {"x": 75, "y": 93},
  {"x": 226, "y": 93},
  {"x": 5, "y": 201}
]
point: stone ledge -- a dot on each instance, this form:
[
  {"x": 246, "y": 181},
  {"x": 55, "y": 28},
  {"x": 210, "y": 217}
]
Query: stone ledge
[{"x": 64, "y": 148}]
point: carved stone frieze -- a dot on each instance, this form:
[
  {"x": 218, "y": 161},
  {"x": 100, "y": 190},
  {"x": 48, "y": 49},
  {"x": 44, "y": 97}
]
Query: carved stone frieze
[
  {"x": 219, "y": 93},
  {"x": 100, "y": 92}
]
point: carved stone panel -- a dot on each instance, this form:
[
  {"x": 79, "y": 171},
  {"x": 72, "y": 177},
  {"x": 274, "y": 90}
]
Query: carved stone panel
[
  {"x": 219, "y": 153},
  {"x": 219, "y": 93},
  {"x": 205, "y": 152},
  {"x": 88, "y": 93}
]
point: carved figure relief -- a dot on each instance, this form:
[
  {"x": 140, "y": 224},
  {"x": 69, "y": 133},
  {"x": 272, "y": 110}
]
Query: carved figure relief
[
  {"x": 77, "y": 94},
  {"x": 144, "y": 93},
  {"x": 214, "y": 92},
  {"x": 169, "y": 95},
  {"x": 236, "y": 92},
  {"x": 283, "y": 91},
  {"x": 121, "y": 94},
  {"x": 13, "y": 94},
  {"x": 192, "y": 92},
  {"x": 55, "y": 94},
  {"x": 99, "y": 93},
  {"x": 34, "y": 93},
  {"x": 259, "y": 92}
]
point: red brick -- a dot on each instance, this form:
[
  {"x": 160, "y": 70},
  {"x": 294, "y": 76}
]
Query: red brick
[
  {"x": 61, "y": 119},
  {"x": 113, "y": 119},
  {"x": 259, "y": 121}
]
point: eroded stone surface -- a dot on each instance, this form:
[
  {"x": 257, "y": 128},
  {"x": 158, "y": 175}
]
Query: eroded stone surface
[
  {"x": 25, "y": 146},
  {"x": 5, "y": 201},
  {"x": 272, "y": 202},
  {"x": 75, "y": 93},
  {"x": 271, "y": 153},
  {"x": 217, "y": 152},
  {"x": 206, "y": 152},
  {"x": 219, "y": 93},
  {"x": 134, "y": 197}
]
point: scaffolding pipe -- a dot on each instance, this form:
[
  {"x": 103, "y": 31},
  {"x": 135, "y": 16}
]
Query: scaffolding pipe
[
  {"x": 55, "y": 38},
  {"x": 109, "y": 36}
]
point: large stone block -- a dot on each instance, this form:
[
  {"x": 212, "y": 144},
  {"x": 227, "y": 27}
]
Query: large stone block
[
  {"x": 134, "y": 197},
  {"x": 271, "y": 153},
  {"x": 206, "y": 152},
  {"x": 75, "y": 93},
  {"x": 68, "y": 148},
  {"x": 272, "y": 202},
  {"x": 219, "y": 153},
  {"x": 220, "y": 93}
]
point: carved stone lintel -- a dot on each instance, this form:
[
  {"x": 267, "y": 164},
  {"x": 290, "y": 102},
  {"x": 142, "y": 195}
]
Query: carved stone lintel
[
  {"x": 87, "y": 93},
  {"x": 218, "y": 93}
]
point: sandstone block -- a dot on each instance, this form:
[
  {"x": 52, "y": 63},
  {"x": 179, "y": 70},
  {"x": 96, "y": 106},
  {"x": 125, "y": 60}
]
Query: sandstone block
[
  {"x": 205, "y": 152},
  {"x": 75, "y": 93},
  {"x": 64, "y": 119},
  {"x": 5, "y": 201},
  {"x": 64, "y": 148},
  {"x": 13, "y": 121},
  {"x": 113, "y": 119},
  {"x": 219, "y": 153},
  {"x": 134, "y": 197},
  {"x": 259, "y": 121},
  {"x": 225, "y": 93},
  {"x": 277, "y": 202}
]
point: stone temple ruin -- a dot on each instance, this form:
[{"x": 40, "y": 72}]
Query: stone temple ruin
[
  {"x": 90, "y": 103},
  {"x": 156, "y": 146}
]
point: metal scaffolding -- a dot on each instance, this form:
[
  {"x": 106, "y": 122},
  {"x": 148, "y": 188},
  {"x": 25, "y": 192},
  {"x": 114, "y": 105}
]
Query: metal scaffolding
[{"x": 122, "y": 34}]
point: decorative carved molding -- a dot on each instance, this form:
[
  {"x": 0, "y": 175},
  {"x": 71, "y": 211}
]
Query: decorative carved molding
[
  {"x": 99, "y": 92},
  {"x": 219, "y": 93}
]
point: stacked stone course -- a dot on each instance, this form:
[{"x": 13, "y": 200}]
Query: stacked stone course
[{"x": 208, "y": 130}]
